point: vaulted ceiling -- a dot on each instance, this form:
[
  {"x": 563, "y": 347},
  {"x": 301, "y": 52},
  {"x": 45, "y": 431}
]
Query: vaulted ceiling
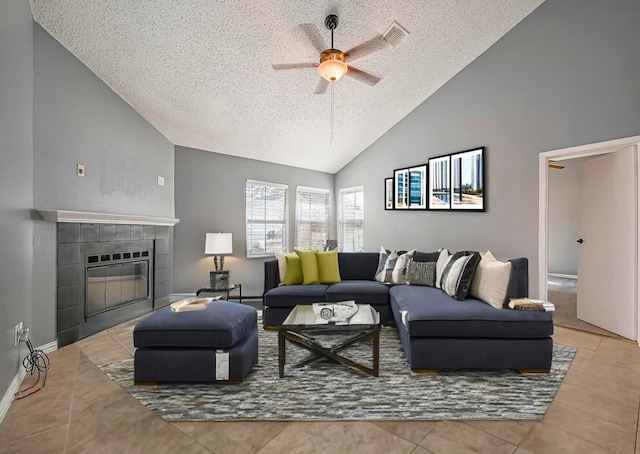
[{"x": 200, "y": 71}]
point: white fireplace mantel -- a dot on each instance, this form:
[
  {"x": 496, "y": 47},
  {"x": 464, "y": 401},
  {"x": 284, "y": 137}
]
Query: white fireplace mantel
[{"x": 103, "y": 218}]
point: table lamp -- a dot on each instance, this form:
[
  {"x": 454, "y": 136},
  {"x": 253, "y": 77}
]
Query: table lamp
[{"x": 218, "y": 245}]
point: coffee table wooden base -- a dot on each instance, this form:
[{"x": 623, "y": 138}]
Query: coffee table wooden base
[{"x": 305, "y": 341}]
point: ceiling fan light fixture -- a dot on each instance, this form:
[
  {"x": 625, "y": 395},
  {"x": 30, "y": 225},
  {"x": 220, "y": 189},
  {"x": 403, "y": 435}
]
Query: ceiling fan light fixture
[{"x": 332, "y": 66}]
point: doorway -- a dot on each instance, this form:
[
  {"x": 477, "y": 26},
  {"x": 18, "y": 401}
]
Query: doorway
[{"x": 627, "y": 305}]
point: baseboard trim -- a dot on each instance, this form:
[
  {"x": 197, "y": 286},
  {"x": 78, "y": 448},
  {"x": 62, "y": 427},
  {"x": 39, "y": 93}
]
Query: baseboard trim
[
  {"x": 6, "y": 401},
  {"x": 50, "y": 347},
  {"x": 564, "y": 276},
  {"x": 14, "y": 387}
]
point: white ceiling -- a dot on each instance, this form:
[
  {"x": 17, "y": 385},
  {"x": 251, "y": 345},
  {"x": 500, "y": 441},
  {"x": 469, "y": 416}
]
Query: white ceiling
[{"x": 200, "y": 70}]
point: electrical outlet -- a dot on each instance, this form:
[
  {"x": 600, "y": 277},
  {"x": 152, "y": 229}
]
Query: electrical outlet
[
  {"x": 16, "y": 336},
  {"x": 80, "y": 170}
]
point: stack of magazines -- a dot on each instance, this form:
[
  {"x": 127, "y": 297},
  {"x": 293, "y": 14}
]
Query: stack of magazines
[{"x": 527, "y": 304}]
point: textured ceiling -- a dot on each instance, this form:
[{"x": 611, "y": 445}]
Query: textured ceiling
[{"x": 200, "y": 70}]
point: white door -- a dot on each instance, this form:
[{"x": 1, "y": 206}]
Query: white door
[{"x": 607, "y": 235}]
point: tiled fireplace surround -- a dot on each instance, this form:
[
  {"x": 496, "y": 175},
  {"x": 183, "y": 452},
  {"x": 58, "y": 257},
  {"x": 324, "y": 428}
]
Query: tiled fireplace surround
[{"x": 75, "y": 242}]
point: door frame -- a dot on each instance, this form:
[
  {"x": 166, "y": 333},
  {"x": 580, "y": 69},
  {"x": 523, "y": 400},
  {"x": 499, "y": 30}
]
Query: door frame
[{"x": 610, "y": 146}]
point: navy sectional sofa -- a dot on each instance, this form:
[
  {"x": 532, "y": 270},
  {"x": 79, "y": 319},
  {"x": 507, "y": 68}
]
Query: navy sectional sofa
[{"x": 437, "y": 331}]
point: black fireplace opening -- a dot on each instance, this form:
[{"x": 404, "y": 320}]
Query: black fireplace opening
[
  {"x": 117, "y": 283},
  {"x": 115, "y": 280}
]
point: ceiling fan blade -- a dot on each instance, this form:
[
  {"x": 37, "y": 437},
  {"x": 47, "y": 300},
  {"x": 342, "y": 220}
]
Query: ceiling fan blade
[
  {"x": 321, "y": 88},
  {"x": 362, "y": 76},
  {"x": 278, "y": 67},
  {"x": 366, "y": 48},
  {"x": 314, "y": 35}
]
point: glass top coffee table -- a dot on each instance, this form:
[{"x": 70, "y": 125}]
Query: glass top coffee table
[{"x": 304, "y": 324}]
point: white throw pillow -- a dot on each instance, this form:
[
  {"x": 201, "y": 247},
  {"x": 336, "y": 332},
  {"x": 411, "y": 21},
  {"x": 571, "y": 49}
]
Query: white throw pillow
[
  {"x": 441, "y": 264},
  {"x": 491, "y": 280},
  {"x": 281, "y": 267},
  {"x": 385, "y": 275},
  {"x": 399, "y": 274},
  {"x": 382, "y": 261}
]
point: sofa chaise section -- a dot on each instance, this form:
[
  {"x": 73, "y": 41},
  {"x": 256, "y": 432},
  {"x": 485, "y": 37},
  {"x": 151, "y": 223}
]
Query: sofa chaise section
[{"x": 439, "y": 332}]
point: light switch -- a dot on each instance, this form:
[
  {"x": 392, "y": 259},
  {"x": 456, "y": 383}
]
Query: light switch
[{"x": 160, "y": 181}]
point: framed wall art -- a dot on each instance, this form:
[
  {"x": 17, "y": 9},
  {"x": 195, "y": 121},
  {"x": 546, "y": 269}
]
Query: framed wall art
[
  {"x": 401, "y": 189},
  {"x": 467, "y": 180},
  {"x": 418, "y": 187},
  {"x": 439, "y": 195},
  {"x": 388, "y": 193}
]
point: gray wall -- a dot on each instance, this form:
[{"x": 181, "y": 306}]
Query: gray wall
[
  {"x": 79, "y": 119},
  {"x": 16, "y": 180},
  {"x": 563, "y": 218},
  {"x": 210, "y": 197},
  {"x": 566, "y": 75}
]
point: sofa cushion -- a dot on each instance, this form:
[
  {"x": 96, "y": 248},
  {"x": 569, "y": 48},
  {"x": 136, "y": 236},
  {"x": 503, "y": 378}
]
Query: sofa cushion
[
  {"x": 422, "y": 273},
  {"x": 386, "y": 275},
  {"x": 457, "y": 275},
  {"x": 309, "y": 267},
  {"x": 328, "y": 267},
  {"x": 382, "y": 260},
  {"x": 399, "y": 275},
  {"x": 362, "y": 292},
  {"x": 291, "y": 295},
  {"x": 491, "y": 281},
  {"x": 220, "y": 325},
  {"x": 441, "y": 264},
  {"x": 429, "y": 312},
  {"x": 292, "y": 270},
  {"x": 426, "y": 256},
  {"x": 357, "y": 265}
]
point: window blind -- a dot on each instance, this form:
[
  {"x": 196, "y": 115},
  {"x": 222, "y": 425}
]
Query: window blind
[
  {"x": 312, "y": 217},
  {"x": 351, "y": 219},
  {"x": 267, "y": 220}
]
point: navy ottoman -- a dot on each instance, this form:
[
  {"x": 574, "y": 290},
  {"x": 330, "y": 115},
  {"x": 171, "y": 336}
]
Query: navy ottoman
[{"x": 216, "y": 344}]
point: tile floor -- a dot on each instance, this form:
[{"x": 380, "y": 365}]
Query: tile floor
[{"x": 81, "y": 410}]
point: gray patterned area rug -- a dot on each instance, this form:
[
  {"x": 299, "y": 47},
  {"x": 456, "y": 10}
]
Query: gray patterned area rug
[{"x": 328, "y": 391}]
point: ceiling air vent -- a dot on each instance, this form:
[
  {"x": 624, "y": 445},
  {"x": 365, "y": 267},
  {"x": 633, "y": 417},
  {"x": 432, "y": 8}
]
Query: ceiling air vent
[{"x": 394, "y": 34}]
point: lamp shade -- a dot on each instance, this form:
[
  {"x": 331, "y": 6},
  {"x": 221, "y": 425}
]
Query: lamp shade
[{"x": 218, "y": 244}]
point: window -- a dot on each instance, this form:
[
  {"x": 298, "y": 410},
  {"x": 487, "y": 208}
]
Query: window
[
  {"x": 312, "y": 217},
  {"x": 351, "y": 219},
  {"x": 267, "y": 221}
]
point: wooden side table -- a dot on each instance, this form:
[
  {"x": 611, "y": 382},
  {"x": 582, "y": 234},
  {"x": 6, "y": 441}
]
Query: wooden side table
[{"x": 226, "y": 291}]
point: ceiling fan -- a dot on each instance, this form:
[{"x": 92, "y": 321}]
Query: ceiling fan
[{"x": 333, "y": 62}]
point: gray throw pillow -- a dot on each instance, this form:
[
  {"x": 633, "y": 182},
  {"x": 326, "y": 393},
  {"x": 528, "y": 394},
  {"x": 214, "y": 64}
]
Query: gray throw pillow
[{"x": 422, "y": 273}]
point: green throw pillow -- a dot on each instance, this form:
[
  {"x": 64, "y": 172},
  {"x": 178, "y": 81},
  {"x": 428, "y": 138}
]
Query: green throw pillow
[
  {"x": 309, "y": 267},
  {"x": 292, "y": 270},
  {"x": 328, "y": 269}
]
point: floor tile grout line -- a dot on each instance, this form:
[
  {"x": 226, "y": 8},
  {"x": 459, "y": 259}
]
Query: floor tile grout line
[
  {"x": 73, "y": 395},
  {"x": 578, "y": 436}
]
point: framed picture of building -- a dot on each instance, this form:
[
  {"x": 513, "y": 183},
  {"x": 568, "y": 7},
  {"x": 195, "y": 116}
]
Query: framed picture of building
[
  {"x": 401, "y": 189},
  {"x": 439, "y": 196},
  {"x": 418, "y": 187},
  {"x": 467, "y": 180},
  {"x": 388, "y": 193}
]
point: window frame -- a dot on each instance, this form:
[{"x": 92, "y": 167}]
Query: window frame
[
  {"x": 356, "y": 233},
  {"x": 299, "y": 221},
  {"x": 284, "y": 221}
]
